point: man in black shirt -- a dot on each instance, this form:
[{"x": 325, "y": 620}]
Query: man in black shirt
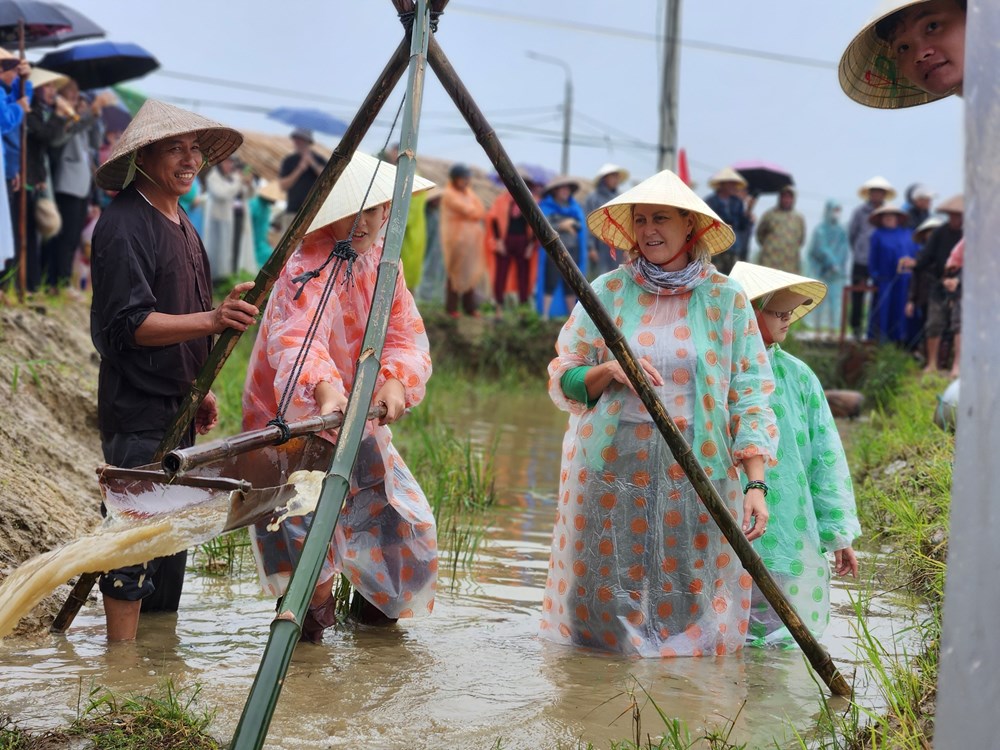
[
  {"x": 298, "y": 172},
  {"x": 152, "y": 319}
]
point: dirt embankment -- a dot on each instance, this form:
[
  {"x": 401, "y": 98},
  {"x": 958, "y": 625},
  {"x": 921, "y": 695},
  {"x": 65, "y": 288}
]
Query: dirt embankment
[{"x": 49, "y": 445}]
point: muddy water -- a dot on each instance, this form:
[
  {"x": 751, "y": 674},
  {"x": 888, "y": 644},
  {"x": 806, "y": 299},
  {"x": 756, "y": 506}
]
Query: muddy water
[{"x": 473, "y": 673}]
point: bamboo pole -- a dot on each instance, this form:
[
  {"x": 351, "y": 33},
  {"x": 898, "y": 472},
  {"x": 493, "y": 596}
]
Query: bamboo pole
[
  {"x": 227, "y": 341},
  {"x": 616, "y": 342},
  {"x": 184, "y": 459},
  {"x": 285, "y": 629}
]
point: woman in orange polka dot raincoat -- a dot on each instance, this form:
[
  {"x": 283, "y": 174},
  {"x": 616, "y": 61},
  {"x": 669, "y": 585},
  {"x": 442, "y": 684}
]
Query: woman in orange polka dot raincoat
[
  {"x": 638, "y": 566},
  {"x": 385, "y": 542}
]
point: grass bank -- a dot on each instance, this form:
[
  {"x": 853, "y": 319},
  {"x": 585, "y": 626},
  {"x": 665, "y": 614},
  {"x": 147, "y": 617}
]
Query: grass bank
[{"x": 164, "y": 719}]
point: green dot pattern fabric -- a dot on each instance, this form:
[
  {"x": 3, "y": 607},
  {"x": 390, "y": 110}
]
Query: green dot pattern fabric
[{"x": 810, "y": 502}]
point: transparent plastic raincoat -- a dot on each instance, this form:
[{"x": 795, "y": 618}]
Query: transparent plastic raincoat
[
  {"x": 385, "y": 542},
  {"x": 810, "y": 502},
  {"x": 638, "y": 566}
]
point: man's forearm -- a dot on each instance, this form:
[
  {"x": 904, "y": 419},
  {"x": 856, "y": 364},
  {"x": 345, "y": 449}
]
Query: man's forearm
[{"x": 161, "y": 329}]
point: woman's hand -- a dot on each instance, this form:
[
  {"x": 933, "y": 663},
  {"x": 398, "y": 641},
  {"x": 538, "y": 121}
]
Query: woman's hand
[
  {"x": 845, "y": 561},
  {"x": 329, "y": 398},
  {"x": 207, "y": 416},
  {"x": 393, "y": 395},
  {"x": 599, "y": 377},
  {"x": 754, "y": 507}
]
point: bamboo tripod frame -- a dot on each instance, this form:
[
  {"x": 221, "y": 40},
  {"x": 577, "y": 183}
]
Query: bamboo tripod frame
[{"x": 423, "y": 49}]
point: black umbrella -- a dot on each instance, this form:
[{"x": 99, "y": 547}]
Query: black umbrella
[
  {"x": 100, "y": 64},
  {"x": 22, "y": 21},
  {"x": 763, "y": 177},
  {"x": 81, "y": 28}
]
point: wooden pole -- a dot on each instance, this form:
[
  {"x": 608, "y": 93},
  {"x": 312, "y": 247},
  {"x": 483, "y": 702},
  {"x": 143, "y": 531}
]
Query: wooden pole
[
  {"x": 22, "y": 203},
  {"x": 616, "y": 342},
  {"x": 227, "y": 341},
  {"x": 285, "y": 629}
]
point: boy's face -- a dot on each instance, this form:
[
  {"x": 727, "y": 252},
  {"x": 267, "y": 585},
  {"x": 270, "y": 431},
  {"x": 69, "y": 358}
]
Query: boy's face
[{"x": 929, "y": 45}]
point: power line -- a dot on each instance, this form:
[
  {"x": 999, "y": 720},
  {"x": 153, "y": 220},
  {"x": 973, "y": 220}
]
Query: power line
[{"x": 589, "y": 28}]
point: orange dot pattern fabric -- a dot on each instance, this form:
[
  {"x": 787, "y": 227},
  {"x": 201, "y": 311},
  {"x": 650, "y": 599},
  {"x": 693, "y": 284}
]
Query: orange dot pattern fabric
[
  {"x": 637, "y": 565},
  {"x": 386, "y": 539}
]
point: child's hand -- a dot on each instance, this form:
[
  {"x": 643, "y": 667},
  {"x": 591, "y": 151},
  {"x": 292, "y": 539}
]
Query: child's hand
[
  {"x": 393, "y": 395},
  {"x": 845, "y": 561}
]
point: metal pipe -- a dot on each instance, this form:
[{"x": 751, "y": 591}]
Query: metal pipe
[
  {"x": 616, "y": 342},
  {"x": 285, "y": 629}
]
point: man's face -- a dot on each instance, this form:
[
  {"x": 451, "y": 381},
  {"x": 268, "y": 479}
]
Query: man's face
[
  {"x": 611, "y": 181},
  {"x": 301, "y": 145},
  {"x": 786, "y": 200},
  {"x": 876, "y": 196},
  {"x": 955, "y": 220},
  {"x": 172, "y": 163},
  {"x": 929, "y": 45},
  {"x": 727, "y": 188}
]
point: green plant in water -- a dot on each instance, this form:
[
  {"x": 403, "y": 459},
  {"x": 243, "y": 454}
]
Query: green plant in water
[
  {"x": 224, "y": 555},
  {"x": 162, "y": 721}
]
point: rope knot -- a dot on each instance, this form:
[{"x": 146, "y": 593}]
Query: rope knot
[{"x": 283, "y": 428}]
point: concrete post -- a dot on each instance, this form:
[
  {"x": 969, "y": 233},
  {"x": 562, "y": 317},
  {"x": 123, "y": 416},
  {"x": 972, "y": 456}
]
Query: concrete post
[{"x": 969, "y": 680}]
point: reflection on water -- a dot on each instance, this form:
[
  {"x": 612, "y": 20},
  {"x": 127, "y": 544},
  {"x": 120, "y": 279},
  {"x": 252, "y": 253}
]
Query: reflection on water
[{"x": 472, "y": 673}]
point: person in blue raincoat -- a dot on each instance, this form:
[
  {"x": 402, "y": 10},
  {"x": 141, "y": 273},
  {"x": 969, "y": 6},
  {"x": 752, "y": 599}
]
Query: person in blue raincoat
[
  {"x": 890, "y": 261},
  {"x": 826, "y": 259},
  {"x": 567, "y": 218}
]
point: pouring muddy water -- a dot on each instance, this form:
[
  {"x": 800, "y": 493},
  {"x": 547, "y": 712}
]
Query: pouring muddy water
[{"x": 472, "y": 673}]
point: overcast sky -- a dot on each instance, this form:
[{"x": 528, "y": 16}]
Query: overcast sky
[{"x": 327, "y": 54}]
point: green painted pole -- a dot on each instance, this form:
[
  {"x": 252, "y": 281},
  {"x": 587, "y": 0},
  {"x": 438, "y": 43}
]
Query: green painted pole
[
  {"x": 285, "y": 629},
  {"x": 615, "y": 340},
  {"x": 227, "y": 341}
]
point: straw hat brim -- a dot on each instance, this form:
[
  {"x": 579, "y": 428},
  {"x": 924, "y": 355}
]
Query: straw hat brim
[
  {"x": 877, "y": 183},
  {"x": 868, "y": 72},
  {"x": 930, "y": 223},
  {"x": 759, "y": 281},
  {"x": 954, "y": 205},
  {"x": 887, "y": 209},
  {"x": 612, "y": 222},
  {"x": 271, "y": 191},
  {"x": 156, "y": 121},
  {"x": 726, "y": 174},
  {"x": 605, "y": 170},
  {"x": 559, "y": 182},
  {"x": 43, "y": 77},
  {"x": 348, "y": 194}
]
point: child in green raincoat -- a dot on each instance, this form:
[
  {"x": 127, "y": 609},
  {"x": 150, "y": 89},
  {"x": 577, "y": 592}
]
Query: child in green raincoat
[{"x": 810, "y": 497}]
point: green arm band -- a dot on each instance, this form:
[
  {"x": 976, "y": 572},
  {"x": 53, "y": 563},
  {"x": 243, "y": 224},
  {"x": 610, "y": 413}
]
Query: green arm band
[{"x": 574, "y": 386}]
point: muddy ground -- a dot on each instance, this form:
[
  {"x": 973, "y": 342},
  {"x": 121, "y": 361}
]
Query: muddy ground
[{"x": 49, "y": 445}]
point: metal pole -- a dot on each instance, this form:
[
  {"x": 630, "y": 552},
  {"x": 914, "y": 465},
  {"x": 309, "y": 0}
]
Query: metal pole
[
  {"x": 227, "y": 341},
  {"x": 567, "y": 102},
  {"x": 252, "y": 729},
  {"x": 670, "y": 91},
  {"x": 969, "y": 681},
  {"x": 616, "y": 342}
]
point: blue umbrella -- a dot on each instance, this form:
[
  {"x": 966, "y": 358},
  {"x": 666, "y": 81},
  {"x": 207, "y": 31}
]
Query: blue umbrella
[
  {"x": 101, "y": 64},
  {"x": 310, "y": 119}
]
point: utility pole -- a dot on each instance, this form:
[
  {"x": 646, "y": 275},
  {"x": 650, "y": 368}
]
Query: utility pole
[
  {"x": 969, "y": 680},
  {"x": 670, "y": 86},
  {"x": 567, "y": 103}
]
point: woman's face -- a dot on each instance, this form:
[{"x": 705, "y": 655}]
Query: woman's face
[
  {"x": 660, "y": 234},
  {"x": 890, "y": 221},
  {"x": 366, "y": 232}
]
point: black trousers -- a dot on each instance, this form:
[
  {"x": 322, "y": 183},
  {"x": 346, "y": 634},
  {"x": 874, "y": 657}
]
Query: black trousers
[
  {"x": 57, "y": 252},
  {"x": 859, "y": 275}
]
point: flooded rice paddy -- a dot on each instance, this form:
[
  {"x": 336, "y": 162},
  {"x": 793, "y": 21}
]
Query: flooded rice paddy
[{"x": 470, "y": 675}]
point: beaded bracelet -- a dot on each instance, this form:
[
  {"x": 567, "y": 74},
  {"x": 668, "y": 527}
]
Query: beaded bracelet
[{"x": 756, "y": 484}]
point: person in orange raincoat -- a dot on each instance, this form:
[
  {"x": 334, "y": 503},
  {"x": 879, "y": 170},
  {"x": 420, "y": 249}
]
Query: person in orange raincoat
[
  {"x": 509, "y": 242},
  {"x": 461, "y": 241},
  {"x": 385, "y": 542}
]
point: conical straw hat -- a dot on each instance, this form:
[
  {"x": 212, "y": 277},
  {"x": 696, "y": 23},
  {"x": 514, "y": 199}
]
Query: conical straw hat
[
  {"x": 42, "y": 77},
  {"x": 931, "y": 222},
  {"x": 954, "y": 205},
  {"x": 612, "y": 222},
  {"x": 610, "y": 168},
  {"x": 271, "y": 191},
  {"x": 346, "y": 197},
  {"x": 726, "y": 174},
  {"x": 155, "y": 121},
  {"x": 760, "y": 281},
  {"x": 868, "y": 71},
  {"x": 888, "y": 208},
  {"x": 879, "y": 183}
]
